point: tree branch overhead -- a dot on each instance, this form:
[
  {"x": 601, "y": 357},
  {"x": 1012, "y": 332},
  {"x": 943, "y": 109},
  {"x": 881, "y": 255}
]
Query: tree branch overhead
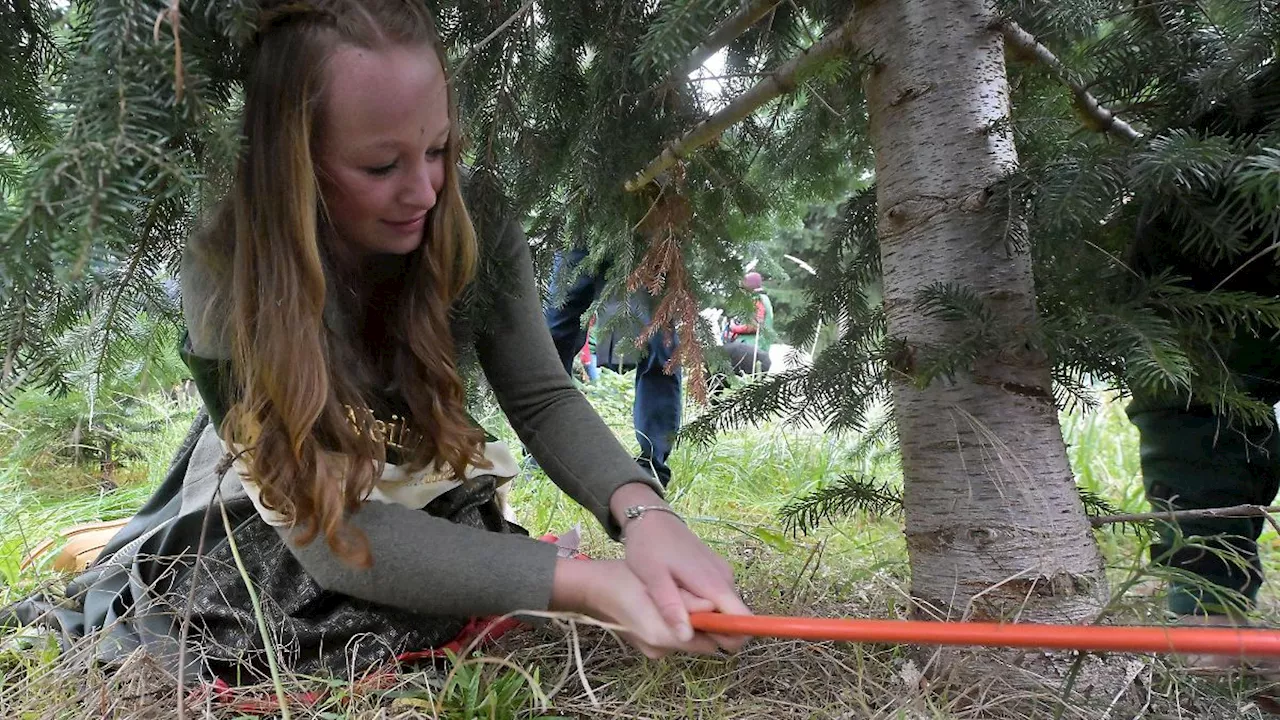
[
  {"x": 775, "y": 84},
  {"x": 722, "y": 35},
  {"x": 1103, "y": 120}
]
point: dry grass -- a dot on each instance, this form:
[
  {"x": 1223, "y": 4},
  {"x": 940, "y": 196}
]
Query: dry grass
[
  {"x": 856, "y": 568},
  {"x": 600, "y": 677}
]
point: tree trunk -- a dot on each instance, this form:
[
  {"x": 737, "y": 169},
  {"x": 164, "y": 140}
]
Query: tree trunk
[{"x": 995, "y": 528}]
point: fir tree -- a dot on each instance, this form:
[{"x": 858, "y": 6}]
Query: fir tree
[{"x": 595, "y": 120}]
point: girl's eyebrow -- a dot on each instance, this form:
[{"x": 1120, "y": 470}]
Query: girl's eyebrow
[
  {"x": 390, "y": 143},
  {"x": 387, "y": 143}
]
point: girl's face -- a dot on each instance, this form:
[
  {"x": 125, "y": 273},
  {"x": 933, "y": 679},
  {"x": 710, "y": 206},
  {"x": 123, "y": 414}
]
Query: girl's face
[{"x": 381, "y": 150}]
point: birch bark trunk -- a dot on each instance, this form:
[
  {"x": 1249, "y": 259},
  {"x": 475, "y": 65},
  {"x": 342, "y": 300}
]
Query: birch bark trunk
[{"x": 995, "y": 527}]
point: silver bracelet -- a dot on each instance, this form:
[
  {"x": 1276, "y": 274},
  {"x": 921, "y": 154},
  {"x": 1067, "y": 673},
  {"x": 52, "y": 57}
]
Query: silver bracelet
[{"x": 637, "y": 511}]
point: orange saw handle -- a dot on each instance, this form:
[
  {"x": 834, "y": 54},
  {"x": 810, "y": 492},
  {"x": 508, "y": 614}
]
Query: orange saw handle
[{"x": 1209, "y": 640}]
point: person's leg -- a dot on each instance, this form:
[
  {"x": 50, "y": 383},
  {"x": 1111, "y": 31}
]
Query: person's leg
[
  {"x": 717, "y": 383},
  {"x": 741, "y": 357},
  {"x": 565, "y": 321},
  {"x": 1192, "y": 458},
  {"x": 761, "y": 361},
  {"x": 656, "y": 410}
]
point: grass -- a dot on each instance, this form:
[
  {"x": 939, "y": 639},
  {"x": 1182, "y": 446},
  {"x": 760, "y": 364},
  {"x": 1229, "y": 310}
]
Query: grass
[
  {"x": 42, "y": 489},
  {"x": 731, "y": 493}
]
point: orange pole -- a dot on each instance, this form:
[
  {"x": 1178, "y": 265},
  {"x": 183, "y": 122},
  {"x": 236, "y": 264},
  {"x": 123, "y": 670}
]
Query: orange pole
[{"x": 1209, "y": 640}]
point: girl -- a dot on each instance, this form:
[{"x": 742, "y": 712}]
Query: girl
[{"x": 333, "y": 304}]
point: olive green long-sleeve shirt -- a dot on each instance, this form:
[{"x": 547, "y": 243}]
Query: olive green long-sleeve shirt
[{"x": 428, "y": 564}]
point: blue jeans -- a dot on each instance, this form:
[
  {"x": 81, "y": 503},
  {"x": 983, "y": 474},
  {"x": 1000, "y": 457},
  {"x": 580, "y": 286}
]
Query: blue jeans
[{"x": 656, "y": 410}]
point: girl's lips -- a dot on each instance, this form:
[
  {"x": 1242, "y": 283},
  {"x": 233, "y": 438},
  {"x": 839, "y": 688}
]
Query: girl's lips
[{"x": 409, "y": 226}]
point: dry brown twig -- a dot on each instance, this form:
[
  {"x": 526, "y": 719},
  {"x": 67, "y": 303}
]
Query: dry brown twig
[
  {"x": 663, "y": 273},
  {"x": 1234, "y": 511},
  {"x": 173, "y": 14}
]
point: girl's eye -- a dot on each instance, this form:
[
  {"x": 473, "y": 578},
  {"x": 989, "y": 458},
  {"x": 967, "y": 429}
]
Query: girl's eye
[
  {"x": 381, "y": 169},
  {"x": 435, "y": 153}
]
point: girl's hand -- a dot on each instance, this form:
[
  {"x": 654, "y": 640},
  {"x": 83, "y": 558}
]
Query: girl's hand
[
  {"x": 680, "y": 573},
  {"x": 608, "y": 590}
]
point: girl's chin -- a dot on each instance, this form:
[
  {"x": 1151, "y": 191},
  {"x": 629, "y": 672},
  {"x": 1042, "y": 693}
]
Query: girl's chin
[
  {"x": 401, "y": 246},
  {"x": 389, "y": 244}
]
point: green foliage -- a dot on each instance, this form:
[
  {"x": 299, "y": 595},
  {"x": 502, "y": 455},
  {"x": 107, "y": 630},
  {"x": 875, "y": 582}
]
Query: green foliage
[
  {"x": 1148, "y": 325},
  {"x": 27, "y": 51},
  {"x": 96, "y": 433},
  {"x": 846, "y": 291},
  {"x": 977, "y": 325},
  {"x": 840, "y": 391},
  {"x": 101, "y": 215},
  {"x": 567, "y": 102},
  {"x": 847, "y": 380},
  {"x": 474, "y": 692},
  {"x": 678, "y": 27},
  {"x": 842, "y": 498},
  {"x": 1199, "y": 80},
  {"x": 558, "y": 110}
]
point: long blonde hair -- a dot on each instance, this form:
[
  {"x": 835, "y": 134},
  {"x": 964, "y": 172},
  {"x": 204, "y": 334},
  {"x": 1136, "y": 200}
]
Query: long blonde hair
[{"x": 294, "y": 401}]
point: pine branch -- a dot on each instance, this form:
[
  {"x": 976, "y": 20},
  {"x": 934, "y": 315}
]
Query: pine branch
[
  {"x": 1070, "y": 393},
  {"x": 981, "y": 332},
  {"x": 849, "y": 494},
  {"x": 471, "y": 53},
  {"x": 1102, "y": 119},
  {"x": 839, "y": 391},
  {"x": 1096, "y": 506},
  {"x": 125, "y": 284},
  {"x": 722, "y": 35},
  {"x": 14, "y": 342},
  {"x": 777, "y": 83},
  {"x": 1228, "y": 310}
]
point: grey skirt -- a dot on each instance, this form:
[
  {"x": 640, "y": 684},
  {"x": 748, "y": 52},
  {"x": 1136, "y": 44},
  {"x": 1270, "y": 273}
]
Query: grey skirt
[{"x": 169, "y": 579}]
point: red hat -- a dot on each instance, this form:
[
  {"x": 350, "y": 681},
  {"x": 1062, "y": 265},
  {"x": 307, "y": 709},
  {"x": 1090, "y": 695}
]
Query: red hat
[{"x": 752, "y": 281}]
